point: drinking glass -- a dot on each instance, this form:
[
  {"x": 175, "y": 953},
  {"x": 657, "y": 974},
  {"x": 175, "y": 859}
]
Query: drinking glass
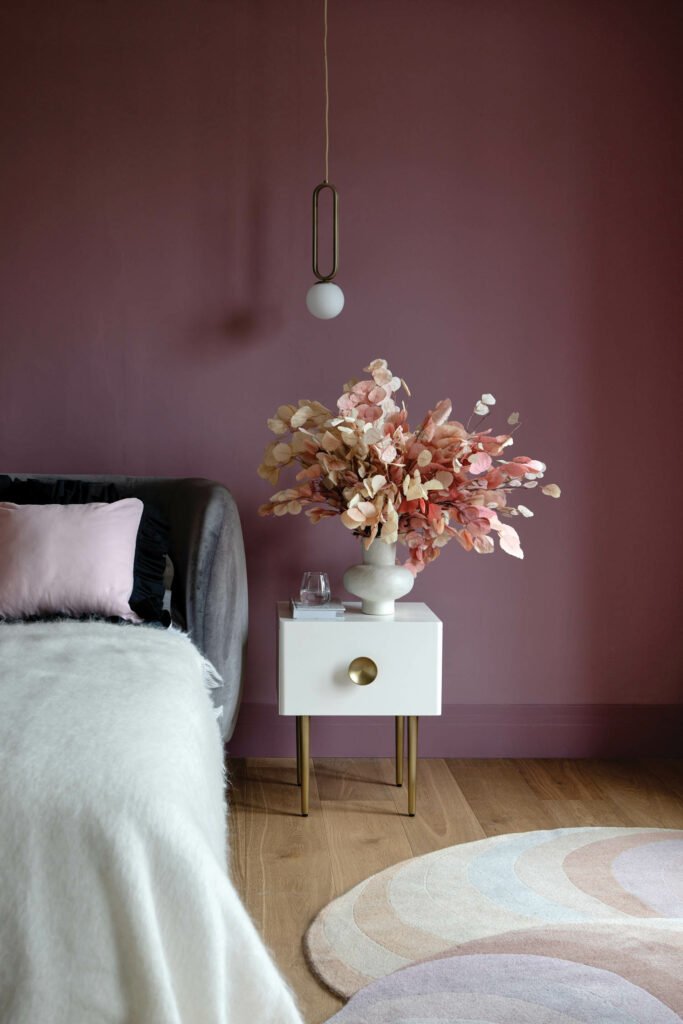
[{"x": 315, "y": 587}]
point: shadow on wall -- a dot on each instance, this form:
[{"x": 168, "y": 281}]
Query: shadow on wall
[
  {"x": 254, "y": 318},
  {"x": 241, "y": 252}
]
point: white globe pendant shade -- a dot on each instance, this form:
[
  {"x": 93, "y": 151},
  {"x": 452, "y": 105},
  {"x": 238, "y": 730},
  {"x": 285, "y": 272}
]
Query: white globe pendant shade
[{"x": 325, "y": 300}]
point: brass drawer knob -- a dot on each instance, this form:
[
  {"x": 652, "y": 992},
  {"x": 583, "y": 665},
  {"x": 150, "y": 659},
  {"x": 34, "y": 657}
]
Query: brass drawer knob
[{"x": 362, "y": 671}]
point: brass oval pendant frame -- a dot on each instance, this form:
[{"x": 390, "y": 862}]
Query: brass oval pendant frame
[{"x": 335, "y": 231}]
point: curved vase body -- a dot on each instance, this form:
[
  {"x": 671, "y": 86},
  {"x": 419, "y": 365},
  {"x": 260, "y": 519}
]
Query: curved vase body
[{"x": 378, "y": 581}]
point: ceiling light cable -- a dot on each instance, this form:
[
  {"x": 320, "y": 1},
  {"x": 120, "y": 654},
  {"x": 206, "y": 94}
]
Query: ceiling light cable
[
  {"x": 327, "y": 96},
  {"x": 325, "y": 299}
]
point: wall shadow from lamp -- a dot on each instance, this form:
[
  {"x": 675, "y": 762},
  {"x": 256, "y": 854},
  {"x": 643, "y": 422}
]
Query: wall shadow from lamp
[{"x": 254, "y": 318}]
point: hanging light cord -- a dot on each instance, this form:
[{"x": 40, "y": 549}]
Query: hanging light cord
[{"x": 327, "y": 96}]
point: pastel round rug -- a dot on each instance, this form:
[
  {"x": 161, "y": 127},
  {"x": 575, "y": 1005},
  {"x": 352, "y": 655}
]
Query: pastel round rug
[
  {"x": 563, "y": 888},
  {"x": 578, "y": 974}
]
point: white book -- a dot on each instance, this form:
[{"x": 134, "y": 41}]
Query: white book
[{"x": 331, "y": 610}]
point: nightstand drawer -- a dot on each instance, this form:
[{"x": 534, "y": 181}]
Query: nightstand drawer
[{"x": 400, "y": 672}]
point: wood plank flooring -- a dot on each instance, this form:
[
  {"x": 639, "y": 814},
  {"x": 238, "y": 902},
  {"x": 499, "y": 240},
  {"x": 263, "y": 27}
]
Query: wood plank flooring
[{"x": 287, "y": 867}]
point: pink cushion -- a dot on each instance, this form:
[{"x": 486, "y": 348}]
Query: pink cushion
[{"x": 68, "y": 559}]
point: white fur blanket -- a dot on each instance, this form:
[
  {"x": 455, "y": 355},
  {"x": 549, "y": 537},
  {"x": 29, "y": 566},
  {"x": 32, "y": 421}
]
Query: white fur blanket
[{"x": 115, "y": 903}]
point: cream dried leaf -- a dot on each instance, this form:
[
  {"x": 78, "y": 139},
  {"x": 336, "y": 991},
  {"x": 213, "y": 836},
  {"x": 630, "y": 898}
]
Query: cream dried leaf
[
  {"x": 277, "y": 426},
  {"x": 552, "y": 490},
  {"x": 282, "y": 452},
  {"x": 301, "y": 416}
]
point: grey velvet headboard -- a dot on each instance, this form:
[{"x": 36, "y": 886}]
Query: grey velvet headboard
[{"x": 209, "y": 596}]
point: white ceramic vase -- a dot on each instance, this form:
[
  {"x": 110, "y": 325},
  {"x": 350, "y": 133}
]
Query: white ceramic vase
[{"x": 378, "y": 581}]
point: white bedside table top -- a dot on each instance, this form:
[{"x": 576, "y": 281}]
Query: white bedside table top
[{"x": 406, "y": 611}]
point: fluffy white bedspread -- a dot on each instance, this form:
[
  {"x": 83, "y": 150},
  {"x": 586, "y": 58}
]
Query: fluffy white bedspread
[{"x": 115, "y": 902}]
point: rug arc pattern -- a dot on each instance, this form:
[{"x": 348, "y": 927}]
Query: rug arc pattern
[{"x": 502, "y": 893}]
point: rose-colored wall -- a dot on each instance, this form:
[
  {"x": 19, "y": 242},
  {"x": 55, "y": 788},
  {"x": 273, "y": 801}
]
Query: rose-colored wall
[{"x": 510, "y": 200}]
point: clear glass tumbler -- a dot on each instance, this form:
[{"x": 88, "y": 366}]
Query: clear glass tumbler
[{"x": 315, "y": 587}]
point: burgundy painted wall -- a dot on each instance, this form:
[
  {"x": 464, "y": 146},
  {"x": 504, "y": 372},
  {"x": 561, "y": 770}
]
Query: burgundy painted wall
[{"x": 510, "y": 189}]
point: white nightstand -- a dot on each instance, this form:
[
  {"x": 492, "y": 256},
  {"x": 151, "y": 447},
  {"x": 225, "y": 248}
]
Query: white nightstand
[{"x": 360, "y": 665}]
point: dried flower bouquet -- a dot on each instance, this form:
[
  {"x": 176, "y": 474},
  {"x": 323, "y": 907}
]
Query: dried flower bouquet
[{"x": 386, "y": 481}]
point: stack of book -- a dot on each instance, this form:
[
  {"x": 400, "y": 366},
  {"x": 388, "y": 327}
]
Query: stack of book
[{"x": 331, "y": 610}]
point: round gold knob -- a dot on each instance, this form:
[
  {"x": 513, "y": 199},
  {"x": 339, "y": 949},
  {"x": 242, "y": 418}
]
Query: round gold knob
[{"x": 363, "y": 671}]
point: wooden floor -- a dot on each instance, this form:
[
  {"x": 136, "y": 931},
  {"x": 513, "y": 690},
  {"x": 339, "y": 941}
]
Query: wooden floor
[{"x": 287, "y": 867}]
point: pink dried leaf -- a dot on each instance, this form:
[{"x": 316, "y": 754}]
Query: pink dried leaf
[
  {"x": 352, "y": 518},
  {"x": 465, "y": 539},
  {"x": 508, "y": 538},
  {"x": 427, "y": 429},
  {"x": 388, "y": 453},
  {"x": 442, "y": 412},
  {"x": 369, "y": 413},
  {"x": 514, "y": 470},
  {"x": 479, "y": 463},
  {"x": 316, "y": 514},
  {"x": 347, "y": 403},
  {"x": 310, "y": 472}
]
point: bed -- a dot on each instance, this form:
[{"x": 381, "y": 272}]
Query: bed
[{"x": 115, "y": 900}]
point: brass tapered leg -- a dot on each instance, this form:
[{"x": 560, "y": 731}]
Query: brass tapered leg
[
  {"x": 400, "y": 729},
  {"x": 412, "y": 763},
  {"x": 298, "y": 750},
  {"x": 305, "y": 758}
]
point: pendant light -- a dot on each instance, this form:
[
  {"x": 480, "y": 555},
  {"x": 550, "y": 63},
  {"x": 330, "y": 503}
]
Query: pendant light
[{"x": 325, "y": 299}]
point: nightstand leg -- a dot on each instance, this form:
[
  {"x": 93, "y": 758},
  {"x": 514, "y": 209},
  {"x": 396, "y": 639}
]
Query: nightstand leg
[
  {"x": 400, "y": 729},
  {"x": 412, "y": 763},
  {"x": 298, "y": 750},
  {"x": 305, "y": 758}
]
